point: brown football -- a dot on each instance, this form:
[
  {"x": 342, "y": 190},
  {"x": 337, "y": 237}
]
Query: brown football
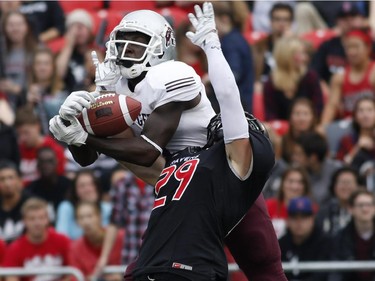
[{"x": 110, "y": 115}]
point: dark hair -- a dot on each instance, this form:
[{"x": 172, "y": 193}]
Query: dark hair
[
  {"x": 288, "y": 139},
  {"x": 361, "y": 191},
  {"x": 281, "y": 6},
  {"x": 313, "y": 143},
  {"x": 7, "y": 164},
  {"x": 338, "y": 173},
  {"x": 25, "y": 115},
  {"x": 305, "y": 181},
  {"x": 355, "y": 125},
  {"x": 43, "y": 149},
  {"x": 73, "y": 196}
]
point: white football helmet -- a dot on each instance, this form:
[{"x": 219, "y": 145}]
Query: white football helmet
[{"x": 160, "y": 48}]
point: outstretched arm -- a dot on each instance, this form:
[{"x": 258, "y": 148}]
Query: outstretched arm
[{"x": 236, "y": 136}]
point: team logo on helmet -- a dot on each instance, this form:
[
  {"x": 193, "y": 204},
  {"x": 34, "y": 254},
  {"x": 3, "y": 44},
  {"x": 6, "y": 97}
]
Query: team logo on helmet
[{"x": 169, "y": 37}]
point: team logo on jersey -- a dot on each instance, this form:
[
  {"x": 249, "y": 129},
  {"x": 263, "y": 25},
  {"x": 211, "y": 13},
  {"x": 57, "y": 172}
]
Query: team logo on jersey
[
  {"x": 169, "y": 37},
  {"x": 182, "y": 266}
]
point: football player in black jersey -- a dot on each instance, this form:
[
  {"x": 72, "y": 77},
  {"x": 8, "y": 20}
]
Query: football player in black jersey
[{"x": 203, "y": 193}]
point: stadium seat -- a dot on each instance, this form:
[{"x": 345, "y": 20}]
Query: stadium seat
[
  {"x": 280, "y": 126},
  {"x": 174, "y": 15},
  {"x": 128, "y": 6},
  {"x": 69, "y": 6},
  {"x": 258, "y": 106},
  {"x": 254, "y": 36},
  {"x": 317, "y": 37},
  {"x": 56, "y": 45}
]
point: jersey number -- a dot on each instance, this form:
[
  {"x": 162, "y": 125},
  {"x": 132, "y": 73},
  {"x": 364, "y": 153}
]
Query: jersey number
[{"x": 183, "y": 175}]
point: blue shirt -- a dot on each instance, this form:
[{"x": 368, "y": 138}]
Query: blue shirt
[{"x": 66, "y": 222}]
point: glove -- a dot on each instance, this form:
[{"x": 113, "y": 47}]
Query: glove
[
  {"x": 71, "y": 134},
  {"x": 204, "y": 24},
  {"x": 75, "y": 102},
  {"x": 107, "y": 72}
]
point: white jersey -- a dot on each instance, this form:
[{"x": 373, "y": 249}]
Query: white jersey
[{"x": 172, "y": 81}]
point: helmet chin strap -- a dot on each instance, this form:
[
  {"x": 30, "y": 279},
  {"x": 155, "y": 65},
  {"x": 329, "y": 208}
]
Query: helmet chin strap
[{"x": 134, "y": 71}]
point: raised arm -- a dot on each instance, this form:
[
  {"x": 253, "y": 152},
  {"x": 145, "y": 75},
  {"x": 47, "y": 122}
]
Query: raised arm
[{"x": 235, "y": 125}]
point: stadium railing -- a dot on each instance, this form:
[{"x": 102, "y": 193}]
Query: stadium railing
[
  {"x": 63, "y": 270},
  {"x": 321, "y": 266}
]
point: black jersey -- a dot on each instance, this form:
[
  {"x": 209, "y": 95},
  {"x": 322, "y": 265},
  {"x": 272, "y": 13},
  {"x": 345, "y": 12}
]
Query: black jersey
[{"x": 199, "y": 200}]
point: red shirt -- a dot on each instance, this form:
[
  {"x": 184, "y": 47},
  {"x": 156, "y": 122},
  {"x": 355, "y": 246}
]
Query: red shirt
[
  {"x": 84, "y": 255},
  {"x": 2, "y": 250},
  {"x": 276, "y": 209},
  {"x": 351, "y": 92},
  {"x": 28, "y": 164},
  {"x": 52, "y": 252}
]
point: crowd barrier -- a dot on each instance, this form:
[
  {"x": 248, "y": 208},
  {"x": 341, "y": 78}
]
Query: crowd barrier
[{"x": 321, "y": 266}]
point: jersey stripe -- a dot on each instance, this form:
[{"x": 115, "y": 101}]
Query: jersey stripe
[
  {"x": 178, "y": 80},
  {"x": 182, "y": 86}
]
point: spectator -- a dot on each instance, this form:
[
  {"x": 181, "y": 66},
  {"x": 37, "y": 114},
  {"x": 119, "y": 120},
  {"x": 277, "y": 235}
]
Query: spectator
[
  {"x": 356, "y": 81},
  {"x": 289, "y": 80},
  {"x": 334, "y": 214},
  {"x": 85, "y": 189},
  {"x": 20, "y": 45},
  {"x": 40, "y": 247},
  {"x": 357, "y": 240},
  {"x": 262, "y": 9},
  {"x": 281, "y": 16},
  {"x": 330, "y": 57},
  {"x": 304, "y": 241},
  {"x": 12, "y": 197},
  {"x": 294, "y": 183},
  {"x": 45, "y": 89},
  {"x": 302, "y": 119},
  {"x": 8, "y": 140},
  {"x": 235, "y": 48},
  {"x": 78, "y": 40},
  {"x": 47, "y": 18},
  {"x": 49, "y": 186},
  {"x": 361, "y": 140},
  {"x": 308, "y": 18},
  {"x": 132, "y": 204},
  {"x": 310, "y": 151},
  {"x": 30, "y": 140},
  {"x": 85, "y": 251}
]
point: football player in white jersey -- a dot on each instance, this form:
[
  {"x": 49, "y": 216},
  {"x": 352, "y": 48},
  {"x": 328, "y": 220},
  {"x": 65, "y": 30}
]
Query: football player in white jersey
[{"x": 175, "y": 114}]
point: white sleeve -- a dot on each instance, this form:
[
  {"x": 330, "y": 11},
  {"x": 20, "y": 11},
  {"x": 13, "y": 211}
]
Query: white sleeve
[{"x": 233, "y": 118}]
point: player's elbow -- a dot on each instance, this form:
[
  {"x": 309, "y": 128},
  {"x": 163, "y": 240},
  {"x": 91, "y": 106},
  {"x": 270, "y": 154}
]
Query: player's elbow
[{"x": 149, "y": 158}]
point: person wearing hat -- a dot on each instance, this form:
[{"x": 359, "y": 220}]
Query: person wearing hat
[
  {"x": 78, "y": 41},
  {"x": 304, "y": 241}
]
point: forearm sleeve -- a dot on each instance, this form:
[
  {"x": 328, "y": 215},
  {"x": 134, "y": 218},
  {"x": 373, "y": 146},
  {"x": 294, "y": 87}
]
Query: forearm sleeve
[{"x": 232, "y": 114}]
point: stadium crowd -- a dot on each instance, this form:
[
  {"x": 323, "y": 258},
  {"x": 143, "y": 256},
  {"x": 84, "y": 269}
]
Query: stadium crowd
[{"x": 305, "y": 68}]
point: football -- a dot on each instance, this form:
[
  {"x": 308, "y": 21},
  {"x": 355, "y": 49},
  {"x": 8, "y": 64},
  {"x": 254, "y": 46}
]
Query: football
[{"x": 110, "y": 115}]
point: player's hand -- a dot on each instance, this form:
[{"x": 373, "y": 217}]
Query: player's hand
[
  {"x": 76, "y": 102},
  {"x": 107, "y": 72},
  {"x": 71, "y": 134},
  {"x": 205, "y": 27}
]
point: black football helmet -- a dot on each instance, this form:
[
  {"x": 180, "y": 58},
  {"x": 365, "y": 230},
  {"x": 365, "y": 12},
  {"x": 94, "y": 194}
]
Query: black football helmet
[{"x": 215, "y": 128}]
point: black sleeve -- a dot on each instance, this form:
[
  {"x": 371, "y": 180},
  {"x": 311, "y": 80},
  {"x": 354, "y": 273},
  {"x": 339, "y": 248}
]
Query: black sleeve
[
  {"x": 318, "y": 62},
  {"x": 263, "y": 154},
  {"x": 56, "y": 15}
]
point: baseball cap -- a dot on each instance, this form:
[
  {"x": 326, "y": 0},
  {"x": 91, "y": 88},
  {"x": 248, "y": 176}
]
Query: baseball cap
[
  {"x": 300, "y": 206},
  {"x": 348, "y": 9}
]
